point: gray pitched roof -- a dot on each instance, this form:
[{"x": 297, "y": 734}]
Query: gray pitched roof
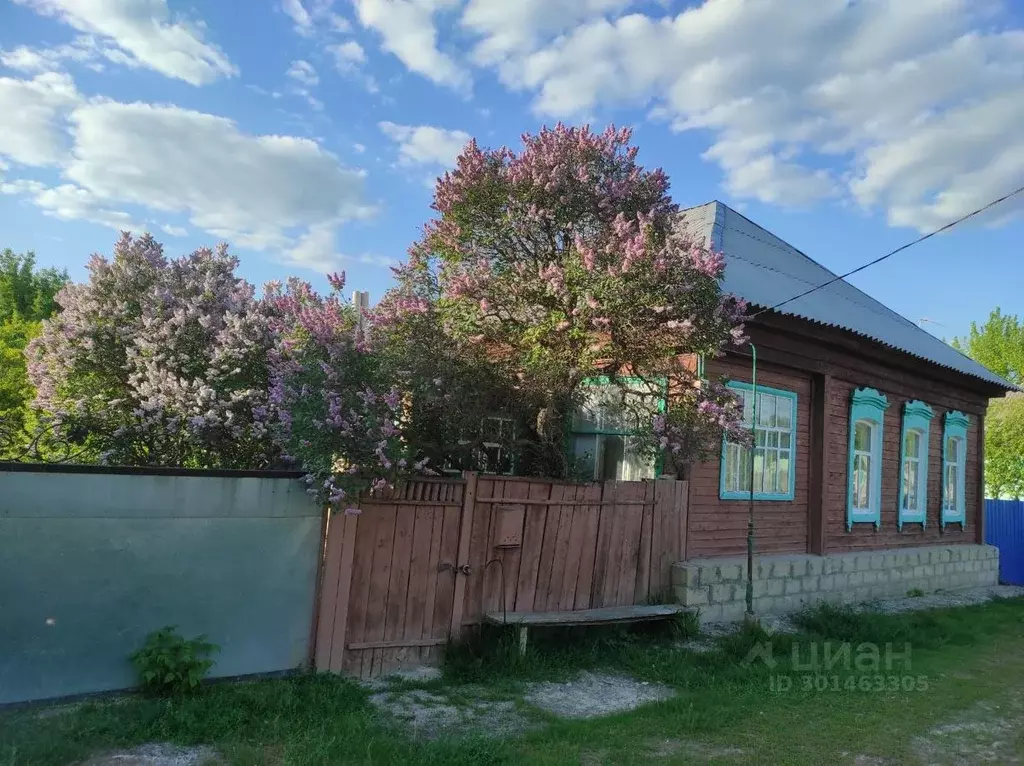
[{"x": 765, "y": 270}]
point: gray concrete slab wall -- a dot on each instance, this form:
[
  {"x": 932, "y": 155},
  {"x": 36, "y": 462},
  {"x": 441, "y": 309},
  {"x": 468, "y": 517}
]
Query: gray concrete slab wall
[{"x": 90, "y": 563}]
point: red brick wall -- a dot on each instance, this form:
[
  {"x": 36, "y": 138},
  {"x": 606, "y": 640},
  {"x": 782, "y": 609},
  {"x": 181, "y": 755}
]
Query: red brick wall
[{"x": 719, "y": 527}]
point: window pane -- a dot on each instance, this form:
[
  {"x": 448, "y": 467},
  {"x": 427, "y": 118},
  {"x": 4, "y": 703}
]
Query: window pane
[
  {"x": 862, "y": 436},
  {"x": 748, "y": 405},
  {"x": 785, "y": 440},
  {"x": 742, "y": 469},
  {"x": 761, "y": 438},
  {"x": 771, "y": 472},
  {"x": 784, "y": 471},
  {"x": 912, "y": 443},
  {"x": 766, "y": 410},
  {"x": 861, "y": 481},
  {"x": 759, "y": 470},
  {"x": 612, "y": 457},
  {"x": 784, "y": 412},
  {"x": 584, "y": 450},
  {"x": 952, "y": 449}
]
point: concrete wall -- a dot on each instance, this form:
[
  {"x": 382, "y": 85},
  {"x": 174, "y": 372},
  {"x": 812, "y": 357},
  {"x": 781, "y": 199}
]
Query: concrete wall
[
  {"x": 91, "y": 561},
  {"x": 787, "y": 583}
]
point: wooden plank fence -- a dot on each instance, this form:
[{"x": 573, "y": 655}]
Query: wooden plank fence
[{"x": 415, "y": 568}]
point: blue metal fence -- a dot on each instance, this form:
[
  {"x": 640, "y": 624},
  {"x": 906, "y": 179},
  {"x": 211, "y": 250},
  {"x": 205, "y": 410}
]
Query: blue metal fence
[{"x": 1004, "y": 528}]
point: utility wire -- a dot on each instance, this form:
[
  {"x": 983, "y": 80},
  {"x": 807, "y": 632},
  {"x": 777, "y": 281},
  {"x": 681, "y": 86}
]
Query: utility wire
[{"x": 891, "y": 253}]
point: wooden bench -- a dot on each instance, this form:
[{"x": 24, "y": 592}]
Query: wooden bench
[{"x": 581, "y": 617}]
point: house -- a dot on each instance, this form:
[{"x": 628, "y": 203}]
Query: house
[{"x": 868, "y": 466}]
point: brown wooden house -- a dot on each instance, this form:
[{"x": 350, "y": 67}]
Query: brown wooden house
[{"x": 869, "y": 441}]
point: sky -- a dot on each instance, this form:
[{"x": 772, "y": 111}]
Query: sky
[{"x": 308, "y": 133}]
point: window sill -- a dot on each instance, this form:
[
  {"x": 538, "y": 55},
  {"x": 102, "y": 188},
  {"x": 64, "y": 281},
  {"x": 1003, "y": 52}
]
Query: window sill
[
  {"x": 908, "y": 517},
  {"x": 863, "y": 517},
  {"x": 757, "y": 496}
]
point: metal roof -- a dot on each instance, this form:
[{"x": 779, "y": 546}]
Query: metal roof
[{"x": 765, "y": 270}]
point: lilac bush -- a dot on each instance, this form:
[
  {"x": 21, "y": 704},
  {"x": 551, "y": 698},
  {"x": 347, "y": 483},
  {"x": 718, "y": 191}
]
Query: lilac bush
[
  {"x": 157, "y": 361},
  {"x": 561, "y": 262},
  {"x": 329, "y": 406}
]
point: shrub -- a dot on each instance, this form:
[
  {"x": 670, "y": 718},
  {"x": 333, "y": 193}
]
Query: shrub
[{"x": 170, "y": 664}]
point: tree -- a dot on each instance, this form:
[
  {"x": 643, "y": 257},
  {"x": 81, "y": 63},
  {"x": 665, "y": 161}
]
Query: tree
[
  {"x": 26, "y": 292},
  {"x": 26, "y": 297},
  {"x": 999, "y": 345},
  {"x": 158, "y": 362},
  {"x": 1004, "y": 447},
  {"x": 562, "y": 262}
]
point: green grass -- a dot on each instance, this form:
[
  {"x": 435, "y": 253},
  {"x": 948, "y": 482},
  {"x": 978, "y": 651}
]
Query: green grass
[{"x": 723, "y": 705}]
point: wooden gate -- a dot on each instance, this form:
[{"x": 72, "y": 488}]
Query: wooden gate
[{"x": 413, "y": 569}]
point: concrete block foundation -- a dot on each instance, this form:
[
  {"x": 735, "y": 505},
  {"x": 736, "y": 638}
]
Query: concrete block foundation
[{"x": 789, "y": 582}]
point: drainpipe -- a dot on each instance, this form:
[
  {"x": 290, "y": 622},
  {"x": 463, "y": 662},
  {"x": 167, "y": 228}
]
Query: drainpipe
[{"x": 750, "y": 509}]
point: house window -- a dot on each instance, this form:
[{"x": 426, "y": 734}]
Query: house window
[
  {"x": 864, "y": 490},
  {"x": 774, "y": 452},
  {"x": 954, "y": 468},
  {"x": 603, "y": 442},
  {"x": 913, "y": 505}
]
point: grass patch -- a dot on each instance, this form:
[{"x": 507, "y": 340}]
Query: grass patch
[{"x": 723, "y": 705}]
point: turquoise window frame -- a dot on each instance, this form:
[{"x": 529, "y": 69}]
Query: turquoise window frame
[
  {"x": 867, "y": 404},
  {"x": 955, "y": 424},
  {"x": 607, "y": 380},
  {"x": 725, "y": 494},
  {"x": 916, "y": 416}
]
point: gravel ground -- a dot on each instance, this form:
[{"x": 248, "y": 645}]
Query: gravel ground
[
  {"x": 595, "y": 694},
  {"x": 431, "y": 715},
  {"x": 157, "y": 754}
]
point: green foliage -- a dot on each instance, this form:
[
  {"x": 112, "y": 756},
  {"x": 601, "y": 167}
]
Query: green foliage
[
  {"x": 999, "y": 345},
  {"x": 922, "y": 629},
  {"x": 915, "y": 593},
  {"x": 26, "y": 292},
  {"x": 1004, "y": 447},
  {"x": 170, "y": 664},
  {"x": 27, "y": 296}
]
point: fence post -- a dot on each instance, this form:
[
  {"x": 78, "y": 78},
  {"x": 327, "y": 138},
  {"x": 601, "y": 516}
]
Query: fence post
[{"x": 465, "y": 534}]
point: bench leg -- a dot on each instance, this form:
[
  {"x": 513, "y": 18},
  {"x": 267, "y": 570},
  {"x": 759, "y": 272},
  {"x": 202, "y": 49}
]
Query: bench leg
[{"x": 522, "y": 640}]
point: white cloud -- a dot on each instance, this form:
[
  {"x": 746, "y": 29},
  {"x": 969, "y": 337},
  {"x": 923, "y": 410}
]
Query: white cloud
[
  {"x": 31, "y": 118},
  {"x": 174, "y": 231},
  {"x": 914, "y": 107},
  {"x": 408, "y": 31},
  {"x": 314, "y": 13},
  {"x": 303, "y": 71},
  {"x": 348, "y": 53},
  {"x": 507, "y": 27},
  {"x": 279, "y": 194},
  {"x": 425, "y": 144},
  {"x": 145, "y": 34},
  {"x": 84, "y": 49},
  {"x": 254, "y": 190},
  {"x": 298, "y": 13},
  {"x": 348, "y": 60}
]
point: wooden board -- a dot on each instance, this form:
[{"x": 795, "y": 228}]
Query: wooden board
[{"x": 603, "y": 616}]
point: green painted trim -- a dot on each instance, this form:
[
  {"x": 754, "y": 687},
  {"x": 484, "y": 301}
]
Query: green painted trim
[
  {"x": 701, "y": 366},
  {"x": 725, "y": 494},
  {"x": 866, "y": 404},
  {"x": 916, "y": 415},
  {"x": 956, "y": 424}
]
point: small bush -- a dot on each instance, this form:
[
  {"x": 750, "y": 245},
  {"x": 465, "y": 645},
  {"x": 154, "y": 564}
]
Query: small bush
[
  {"x": 170, "y": 664},
  {"x": 915, "y": 593}
]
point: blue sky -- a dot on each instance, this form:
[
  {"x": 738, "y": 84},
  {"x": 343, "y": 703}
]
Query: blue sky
[{"x": 306, "y": 133}]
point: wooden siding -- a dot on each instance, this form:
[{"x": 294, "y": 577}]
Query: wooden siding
[
  {"x": 823, "y": 366},
  {"x": 864, "y": 536},
  {"x": 719, "y": 527}
]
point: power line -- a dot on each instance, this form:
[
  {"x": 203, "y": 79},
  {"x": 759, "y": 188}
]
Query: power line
[{"x": 899, "y": 249}]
